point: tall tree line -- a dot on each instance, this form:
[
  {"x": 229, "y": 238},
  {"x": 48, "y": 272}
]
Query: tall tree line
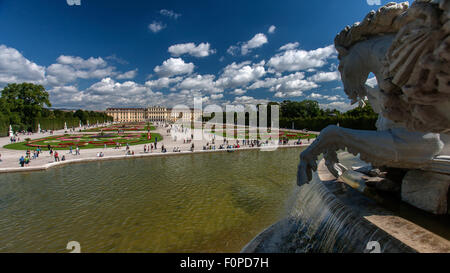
[
  {"x": 307, "y": 114},
  {"x": 25, "y": 105}
]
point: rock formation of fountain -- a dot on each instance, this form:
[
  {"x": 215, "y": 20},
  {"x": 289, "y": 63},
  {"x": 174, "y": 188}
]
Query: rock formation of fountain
[{"x": 408, "y": 51}]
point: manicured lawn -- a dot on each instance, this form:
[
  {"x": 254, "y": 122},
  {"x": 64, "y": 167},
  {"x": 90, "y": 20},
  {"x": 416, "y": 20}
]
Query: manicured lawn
[
  {"x": 152, "y": 128},
  {"x": 282, "y": 134},
  {"x": 85, "y": 141}
]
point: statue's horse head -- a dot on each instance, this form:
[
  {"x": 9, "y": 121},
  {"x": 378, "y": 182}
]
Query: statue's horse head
[
  {"x": 353, "y": 74},
  {"x": 363, "y": 46},
  {"x": 408, "y": 51}
]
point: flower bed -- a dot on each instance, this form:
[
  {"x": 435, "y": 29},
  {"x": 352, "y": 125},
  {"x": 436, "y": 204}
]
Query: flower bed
[
  {"x": 267, "y": 134},
  {"x": 141, "y": 126},
  {"x": 67, "y": 141}
]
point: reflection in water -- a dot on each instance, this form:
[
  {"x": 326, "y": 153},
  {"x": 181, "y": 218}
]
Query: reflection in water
[{"x": 192, "y": 203}]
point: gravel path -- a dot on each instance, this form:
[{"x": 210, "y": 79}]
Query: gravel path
[{"x": 10, "y": 158}]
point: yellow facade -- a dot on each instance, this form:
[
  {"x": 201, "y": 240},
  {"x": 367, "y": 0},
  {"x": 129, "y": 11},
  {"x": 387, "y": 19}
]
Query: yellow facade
[{"x": 153, "y": 114}]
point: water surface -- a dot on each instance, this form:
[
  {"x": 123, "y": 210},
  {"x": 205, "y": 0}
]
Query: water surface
[{"x": 212, "y": 202}]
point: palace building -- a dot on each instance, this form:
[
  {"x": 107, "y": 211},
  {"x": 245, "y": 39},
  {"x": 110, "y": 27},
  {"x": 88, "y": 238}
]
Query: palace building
[{"x": 153, "y": 114}]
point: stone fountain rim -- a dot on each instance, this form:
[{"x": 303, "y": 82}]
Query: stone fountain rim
[{"x": 421, "y": 243}]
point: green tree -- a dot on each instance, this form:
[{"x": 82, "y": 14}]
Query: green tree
[
  {"x": 58, "y": 114},
  {"x": 300, "y": 109},
  {"x": 25, "y": 103},
  {"x": 80, "y": 114},
  {"x": 361, "y": 111}
]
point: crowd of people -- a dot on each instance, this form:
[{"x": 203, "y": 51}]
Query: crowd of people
[
  {"x": 148, "y": 148},
  {"x": 14, "y": 139},
  {"x": 24, "y": 161},
  {"x": 177, "y": 132}
]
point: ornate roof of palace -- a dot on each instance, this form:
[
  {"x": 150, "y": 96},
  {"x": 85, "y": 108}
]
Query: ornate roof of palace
[
  {"x": 143, "y": 109},
  {"x": 107, "y": 109}
]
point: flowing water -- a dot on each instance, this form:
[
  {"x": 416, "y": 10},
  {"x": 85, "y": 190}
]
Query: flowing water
[
  {"x": 319, "y": 222},
  {"x": 213, "y": 202},
  {"x": 328, "y": 217}
]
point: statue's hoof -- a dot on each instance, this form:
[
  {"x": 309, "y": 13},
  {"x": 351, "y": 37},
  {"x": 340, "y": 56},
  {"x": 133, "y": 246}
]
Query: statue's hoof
[{"x": 304, "y": 174}]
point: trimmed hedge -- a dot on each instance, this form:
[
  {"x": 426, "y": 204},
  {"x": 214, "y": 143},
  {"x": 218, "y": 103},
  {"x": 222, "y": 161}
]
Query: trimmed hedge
[
  {"x": 48, "y": 124},
  {"x": 4, "y": 126},
  {"x": 58, "y": 123},
  {"x": 319, "y": 123}
]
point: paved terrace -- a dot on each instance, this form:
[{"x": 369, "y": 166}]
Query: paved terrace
[{"x": 10, "y": 158}]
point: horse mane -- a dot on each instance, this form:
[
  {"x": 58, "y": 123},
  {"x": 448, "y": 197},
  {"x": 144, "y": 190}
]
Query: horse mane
[
  {"x": 386, "y": 20},
  {"x": 417, "y": 73}
]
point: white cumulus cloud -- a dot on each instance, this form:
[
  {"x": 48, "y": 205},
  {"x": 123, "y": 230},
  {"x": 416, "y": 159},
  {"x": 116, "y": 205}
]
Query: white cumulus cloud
[
  {"x": 292, "y": 85},
  {"x": 216, "y": 96},
  {"x": 325, "y": 76},
  {"x": 257, "y": 41},
  {"x": 297, "y": 60},
  {"x": 289, "y": 46},
  {"x": 70, "y": 68},
  {"x": 245, "y": 100},
  {"x": 156, "y": 27},
  {"x": 325, "y": 97},
  {"x": 289, "y": 94},
  {"x": 163, "y": 82},
  {"x": 15, "y": 68},
  {"x": 272, "y": 29},
  {"x": 173, "y": 67},
  {"x": 200, "y": 83},
  {"x": 239, "y": 75},
  {"x": 128, "y": 75},
  {"x": 169, "y": 13},
  {"x": 339, "y": 105},
  {"x": 239, "y": 91},
  {"x": 372, "y": 82},
  {"x": 201, "y": 50}
]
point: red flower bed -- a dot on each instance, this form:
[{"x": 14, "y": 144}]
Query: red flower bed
[
  {"x": 123, "y": 129},
  {"x": 123, "y": 138},
  {"x": 36, "y": 146},
  {"x": 99, "y": 143}
]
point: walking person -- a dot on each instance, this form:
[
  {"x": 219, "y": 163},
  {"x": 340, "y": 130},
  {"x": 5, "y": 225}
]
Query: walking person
[{"x": 22, "y": 161}]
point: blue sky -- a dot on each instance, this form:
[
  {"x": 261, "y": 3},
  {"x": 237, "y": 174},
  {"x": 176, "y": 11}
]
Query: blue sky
[{"x": 106, "y": 53}]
